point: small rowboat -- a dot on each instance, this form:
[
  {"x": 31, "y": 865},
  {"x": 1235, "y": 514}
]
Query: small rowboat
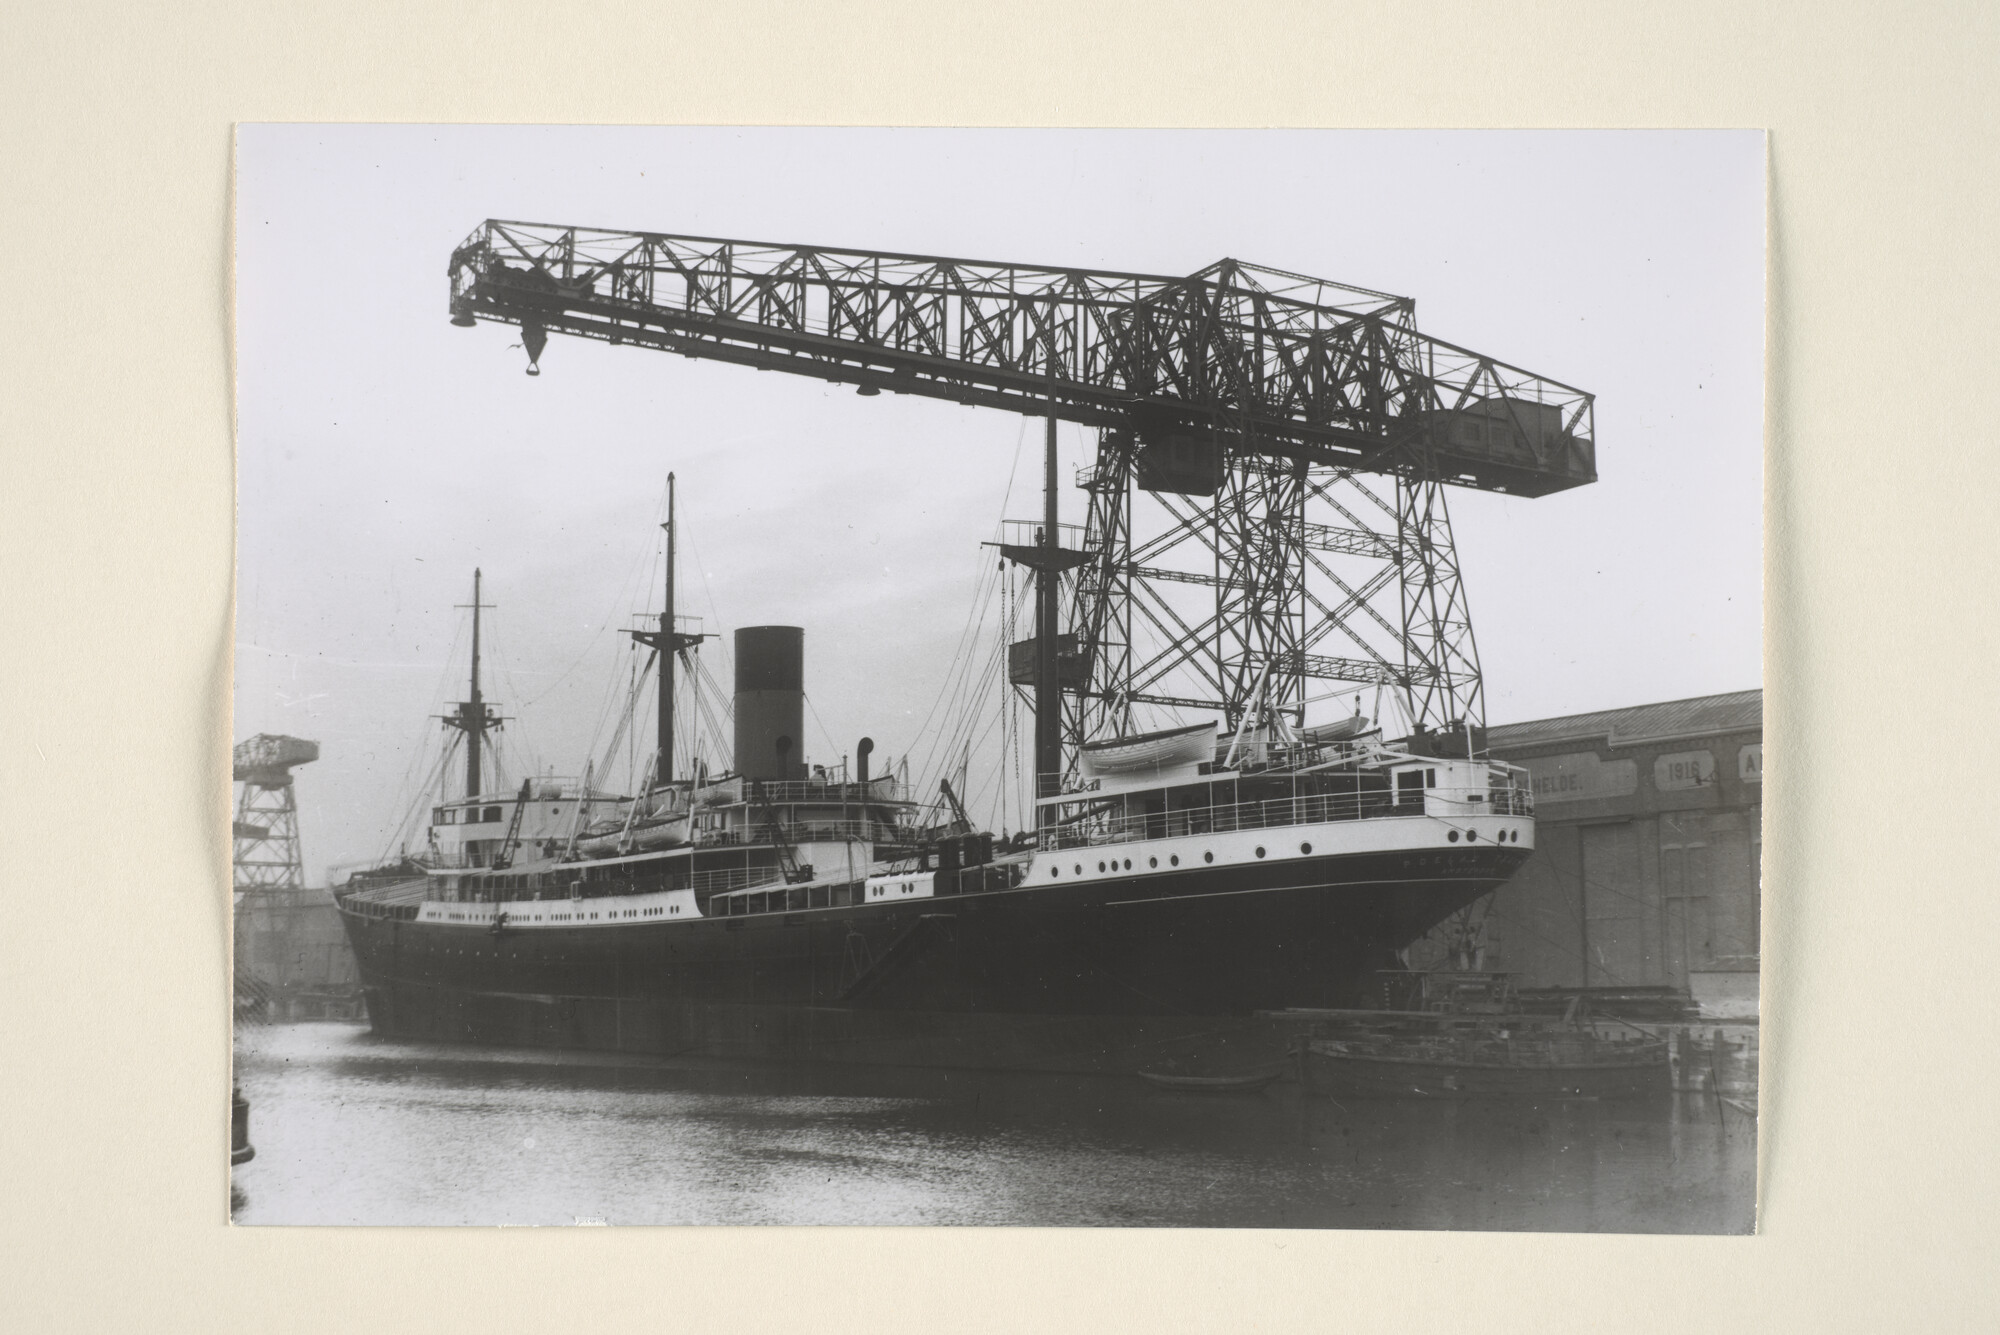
[{"x": 1211, "y": 1084}]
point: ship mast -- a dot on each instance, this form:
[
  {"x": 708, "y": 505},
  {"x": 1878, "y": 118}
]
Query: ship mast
[
  {"x": 1047, "y": 558},
  {"x": 663, "y": 769},
  {"x": 669, "y": 642},
  {"x": 1048, "y": 681},
  {"x": 474, "y": 717}
]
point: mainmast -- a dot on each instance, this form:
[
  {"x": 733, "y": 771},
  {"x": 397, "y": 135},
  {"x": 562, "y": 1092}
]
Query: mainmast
[
  {"x": 665, "y": 768},
  {"x": 1048, "y": 558},
  {"x": 474, "y": 716},
  {"x": 668, "y": 642},
  {"x": 1048, "y": 666}
]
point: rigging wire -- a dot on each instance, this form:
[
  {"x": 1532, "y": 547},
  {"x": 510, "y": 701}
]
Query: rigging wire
[
  {"x": 833, "y": 747},
  {"x": 959, "y": 677},
  {"x": 966, "y": 636},
  {"x": 610, "y": 708},
  {"x": 618, "y": 734},
  {"x": 982, "y": 593},
  {"x": 400, "y": 835},
  {"x": 714, "y": 706},
  {"x": 523, "y": 734},
  {"x": 514, "y": 752},
  {"x": 687, "y": 543},
  {"x": 641, "y": 567},
  {"x": 973, "y": 706},
  {"x": 692, "y": 708},
  {"x": 408, "y": 800}
]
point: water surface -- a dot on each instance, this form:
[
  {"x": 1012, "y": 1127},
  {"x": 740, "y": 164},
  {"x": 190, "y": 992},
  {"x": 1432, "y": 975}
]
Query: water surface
[{"x": 353, "y": 1129}]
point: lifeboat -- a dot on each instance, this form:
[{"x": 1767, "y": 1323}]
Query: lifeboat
[
  {"x": 669, "y": 832},
  {"x": 1150, "y": 752},
  {"x": 1345, "y": 730}
]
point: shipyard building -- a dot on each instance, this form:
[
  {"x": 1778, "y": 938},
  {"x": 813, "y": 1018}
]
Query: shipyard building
[
  {"x": 1647, "y": 849},
  {"x": 292, "y": 957}
]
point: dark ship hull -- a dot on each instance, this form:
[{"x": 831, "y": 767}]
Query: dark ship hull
[{"x": 1111, "y": 975}]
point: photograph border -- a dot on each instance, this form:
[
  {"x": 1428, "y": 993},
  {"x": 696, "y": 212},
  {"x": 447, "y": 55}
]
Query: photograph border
[{"x": 1871, "y": 1209}]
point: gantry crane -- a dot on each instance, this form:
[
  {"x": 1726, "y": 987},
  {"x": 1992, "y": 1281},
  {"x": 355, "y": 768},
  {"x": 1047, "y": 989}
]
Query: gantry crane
[
  {"x": 266, "y": 829},
  {"x": 1272, "y": 458}
]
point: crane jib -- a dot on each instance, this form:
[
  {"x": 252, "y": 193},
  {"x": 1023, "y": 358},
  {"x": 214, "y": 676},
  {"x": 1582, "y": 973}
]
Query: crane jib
[
  {"x": 1235, "y": 357},
  {"x": 1253, "y": 406}
]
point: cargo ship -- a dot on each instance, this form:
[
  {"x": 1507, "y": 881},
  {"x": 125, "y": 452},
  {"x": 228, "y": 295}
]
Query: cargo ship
[{"x": 1173, "y": 884}]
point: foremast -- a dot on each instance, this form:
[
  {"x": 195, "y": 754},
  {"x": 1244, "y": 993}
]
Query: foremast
[{"x": 473, "y": 717}]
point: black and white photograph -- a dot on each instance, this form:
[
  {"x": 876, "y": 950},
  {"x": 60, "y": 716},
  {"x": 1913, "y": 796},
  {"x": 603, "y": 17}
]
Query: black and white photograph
[{"x": 1059, "y": 678}]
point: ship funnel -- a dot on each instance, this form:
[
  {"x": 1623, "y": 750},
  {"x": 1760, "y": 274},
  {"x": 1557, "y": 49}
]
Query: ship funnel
[
  {"x": 770, "y": 702},
  {"x": 862, "y": 750}
]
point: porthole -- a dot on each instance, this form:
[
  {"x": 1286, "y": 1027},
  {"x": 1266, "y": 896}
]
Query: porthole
[
  {"x": 1305, "y": 848},
  {"x": 1055, "y": 871},
  {"x": 1079, "y": 869},
  {"x": 1260, "y": 850},
  {"x": 1100, "y": 866},
  {"x": 1453, "y": 836},
  {"x": 1470, "y": 835},
  {"x": 1175, "y": 860},
  {"x": 1152, "y": 862},
  {"x": 1208, "y": 857}
]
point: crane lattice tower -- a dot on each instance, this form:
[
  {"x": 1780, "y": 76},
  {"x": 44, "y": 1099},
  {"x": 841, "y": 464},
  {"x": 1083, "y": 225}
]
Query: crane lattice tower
[
  {"x": 1268, "y": 501},
  {"x": 266, "y": 829}
]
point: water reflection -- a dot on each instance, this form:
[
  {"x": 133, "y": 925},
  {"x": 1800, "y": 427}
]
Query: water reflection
[{"x": 352, "y": 1129}]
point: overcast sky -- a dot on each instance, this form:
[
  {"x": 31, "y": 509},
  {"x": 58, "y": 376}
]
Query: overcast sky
[{"x": 385, "y": 453}]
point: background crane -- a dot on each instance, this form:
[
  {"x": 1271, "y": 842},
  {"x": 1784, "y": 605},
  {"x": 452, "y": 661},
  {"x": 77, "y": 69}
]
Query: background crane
[
  {"x": 1267, "y": 504},
  {"x": 266, "y": 829}
]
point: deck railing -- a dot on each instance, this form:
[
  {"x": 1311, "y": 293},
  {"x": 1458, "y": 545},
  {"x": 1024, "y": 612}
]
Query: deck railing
[
  {"x": 734, "y": 878},
  {"x": 1282, "y": 811},
  {"x": 875, "y": 792},
  {"x": 758, "y": 834}
]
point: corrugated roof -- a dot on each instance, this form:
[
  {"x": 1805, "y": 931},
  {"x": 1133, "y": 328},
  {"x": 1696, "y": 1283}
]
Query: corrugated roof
[{"x": 1737, "y": 711}]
